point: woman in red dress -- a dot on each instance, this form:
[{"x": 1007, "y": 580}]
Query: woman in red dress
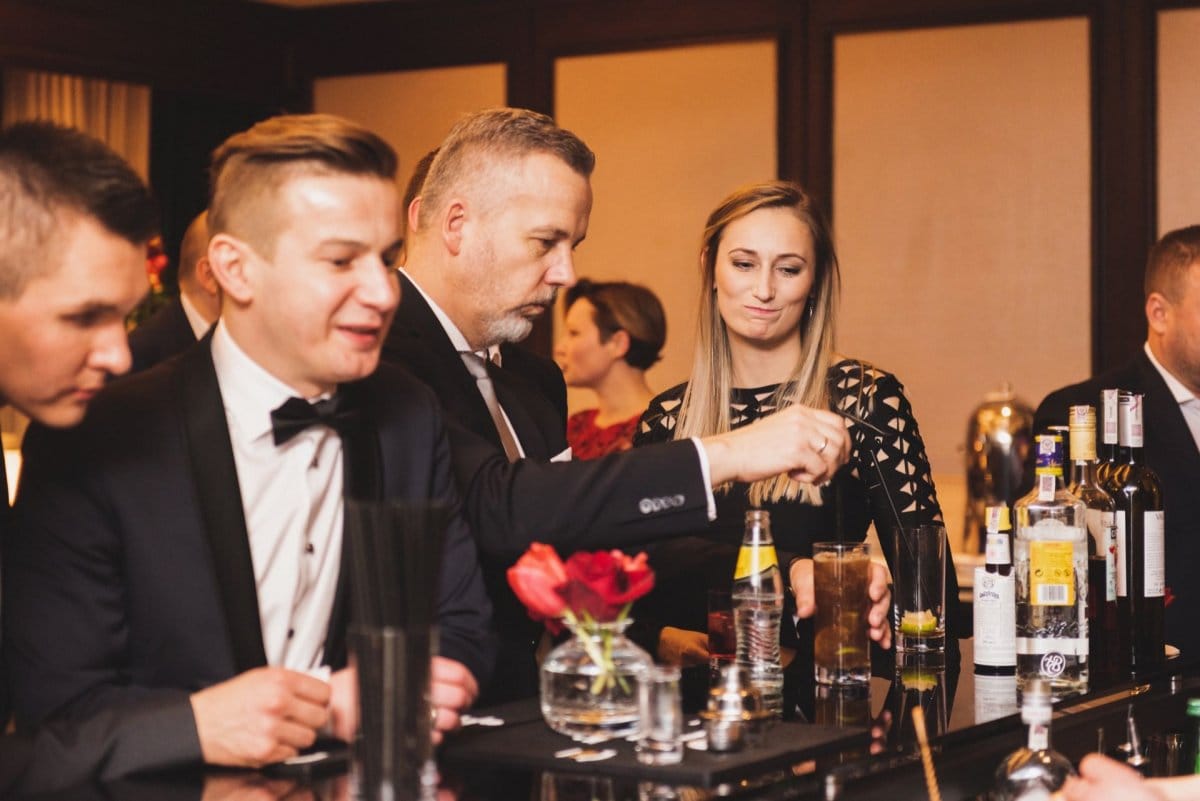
[{"x": 613, "y": 333}]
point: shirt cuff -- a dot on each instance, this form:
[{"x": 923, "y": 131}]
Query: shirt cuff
[{"x": 706, "y": 475}]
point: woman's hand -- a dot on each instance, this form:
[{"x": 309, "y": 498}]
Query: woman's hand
[
  {"x": 801, "y": 575},
  {"x": 682, "y": 647}
]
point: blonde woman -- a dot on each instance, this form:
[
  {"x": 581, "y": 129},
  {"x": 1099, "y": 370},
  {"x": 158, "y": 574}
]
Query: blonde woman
[{"x": 766, "y": 340}]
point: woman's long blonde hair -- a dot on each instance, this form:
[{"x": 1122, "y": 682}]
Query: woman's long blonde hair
[{"x": 706, "y": 402}]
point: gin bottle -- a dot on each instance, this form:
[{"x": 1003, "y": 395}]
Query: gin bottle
[
  {"x": 1140, "y": 558},
  {"x": 1035, "y": 771},
  {"x": 994, "y": 600},
  {"x": 1103, "y": 646},
  {"x": 1051, "y": 562},
  {"x": 757, "y": 608}
]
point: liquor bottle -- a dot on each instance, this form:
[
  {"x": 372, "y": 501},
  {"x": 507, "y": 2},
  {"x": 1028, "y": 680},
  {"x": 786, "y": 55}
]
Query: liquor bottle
[
  {"x": 1051, "y": 562},
  {"x": 1193, "y": 714},
  {"x": 995, "y": 600},
  {"x": 757, "y": 608},
  {"x": 1036, "y": 770},
  {"x": 1108, "y": 437},
  {"x": 1103, "y": 644},
  {"x": 1140, "y": 559}
]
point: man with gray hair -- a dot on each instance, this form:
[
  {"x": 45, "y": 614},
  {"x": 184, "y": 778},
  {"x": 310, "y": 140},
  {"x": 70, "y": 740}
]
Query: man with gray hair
[{"x": 491, "y": 241}]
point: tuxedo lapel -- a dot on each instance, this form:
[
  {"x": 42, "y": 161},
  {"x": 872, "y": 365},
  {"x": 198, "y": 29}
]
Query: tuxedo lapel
[
  {"x": 518, "y": 401},
  {"x": 362, "y": 470},
  {"x": 220, "y": 497}
]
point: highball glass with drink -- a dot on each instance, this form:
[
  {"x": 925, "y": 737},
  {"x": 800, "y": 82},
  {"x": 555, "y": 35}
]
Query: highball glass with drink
[
  {"x": 841, "y": 648},
  {"x": 920, "y": 589},
  {"x": 722, "y": 636}
]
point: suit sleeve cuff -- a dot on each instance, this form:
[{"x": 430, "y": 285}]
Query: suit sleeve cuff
[{"x": 706, "y": 474}]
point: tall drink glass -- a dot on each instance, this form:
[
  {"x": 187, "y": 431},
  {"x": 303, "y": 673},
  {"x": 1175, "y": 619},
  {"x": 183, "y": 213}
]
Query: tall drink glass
[
  {"x": 841, "y": 649},
  {"x": 920, "y": 589}
]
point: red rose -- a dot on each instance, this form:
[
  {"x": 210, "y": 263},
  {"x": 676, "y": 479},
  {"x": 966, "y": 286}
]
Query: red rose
[
  {"x": 538, "y": 578},
  {"x": 601, "y": 584}
]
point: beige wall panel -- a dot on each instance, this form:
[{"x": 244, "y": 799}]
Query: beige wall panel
[
  {"x": 674, "y": 132},
  {"x": 962, "y": 216},
  {"x": 1178, "y": 119},
  {"x": 412, "y": 110}
]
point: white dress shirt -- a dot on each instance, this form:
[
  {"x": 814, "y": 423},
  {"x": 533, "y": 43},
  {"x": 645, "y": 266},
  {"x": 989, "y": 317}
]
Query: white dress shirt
[
  {"x": 292, "y": 501},
  {"x": 1189, "y": 404},
  {"x": 195, "y": 319}
]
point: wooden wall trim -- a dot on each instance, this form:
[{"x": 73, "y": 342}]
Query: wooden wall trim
[{"x": 223, "y": 47}]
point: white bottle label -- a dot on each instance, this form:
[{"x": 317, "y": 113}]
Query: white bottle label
[
  {"x": 1121, "y": 537},
  {"x": 995, "y": 605},
  {"x": 996, "y": 552},
  {"x": 1100, "y": 528},
  {"x": 995, "y": 697},
  {"x": 1155, "y": 560}
]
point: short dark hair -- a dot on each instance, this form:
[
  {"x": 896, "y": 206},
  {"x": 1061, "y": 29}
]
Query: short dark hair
[
  {"x": 47, "y": 170},
  {"x": 1169, "y": 260},
  {"x": 260, "y": 159},
  {"x": 631, "y": 308}
]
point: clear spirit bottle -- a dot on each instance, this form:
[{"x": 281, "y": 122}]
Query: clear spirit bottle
[
  {"x": 1035, "y": 771},
  {"x": 1051, "y": 567}
]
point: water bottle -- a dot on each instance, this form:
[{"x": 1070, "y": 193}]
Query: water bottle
[{"x": 757, "y": 607}]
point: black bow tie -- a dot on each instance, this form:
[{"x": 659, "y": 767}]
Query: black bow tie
[{"x": 297, "y": 414}]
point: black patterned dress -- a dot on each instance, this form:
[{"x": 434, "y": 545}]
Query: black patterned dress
[{"x": 883, "y": 472}]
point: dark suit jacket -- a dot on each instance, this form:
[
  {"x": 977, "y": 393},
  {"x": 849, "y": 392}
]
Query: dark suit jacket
[
  {"x": 131, "y": 575},
  {"x": 614, "y": 502},
  {"x": 160, "y": 337},
  {"x": 1171, "y": 452}
]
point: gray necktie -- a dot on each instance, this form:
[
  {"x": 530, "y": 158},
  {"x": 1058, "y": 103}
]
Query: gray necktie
[{"x": 477, "y": 367}]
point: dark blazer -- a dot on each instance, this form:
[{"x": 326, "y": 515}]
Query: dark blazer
[
  {"x": 160, "y": 337},
  {"x": 1171, "y": 452},
  {"x": 131, "y": 575},
  {"x": 619, "y": 501}
]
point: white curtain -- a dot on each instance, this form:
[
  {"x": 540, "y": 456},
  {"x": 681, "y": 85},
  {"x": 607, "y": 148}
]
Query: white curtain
[{"x": 117, "y": 114}]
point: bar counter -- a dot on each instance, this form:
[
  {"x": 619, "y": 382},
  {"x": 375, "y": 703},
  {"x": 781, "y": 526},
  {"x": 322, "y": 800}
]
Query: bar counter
[{"x": 966, "y": 753}]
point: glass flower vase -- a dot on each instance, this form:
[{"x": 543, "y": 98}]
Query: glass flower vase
[{"x": 589, "y": 684}]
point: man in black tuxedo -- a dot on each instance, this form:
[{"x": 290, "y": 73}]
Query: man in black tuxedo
[
  {"x": 178, "y": 325},
  {"x": 74, "y": 223},
  {"x": 1167, "y": 372},
  {"x": 490, "y": 241},
  {"x": 183, "y": 546}
]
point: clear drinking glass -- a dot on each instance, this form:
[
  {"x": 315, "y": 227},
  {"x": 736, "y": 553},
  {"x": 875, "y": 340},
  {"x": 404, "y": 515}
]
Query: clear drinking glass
[
  {"x": 661, "y": 713},
  {"x": 920, "y": 588}
]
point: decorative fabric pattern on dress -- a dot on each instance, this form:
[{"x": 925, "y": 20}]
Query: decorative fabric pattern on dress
[
  {"x": 857, "y": 389},
  {"x": 870, "y": 394}
]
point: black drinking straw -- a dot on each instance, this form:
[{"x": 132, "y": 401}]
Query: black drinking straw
[{"x": 909, "y": 546}]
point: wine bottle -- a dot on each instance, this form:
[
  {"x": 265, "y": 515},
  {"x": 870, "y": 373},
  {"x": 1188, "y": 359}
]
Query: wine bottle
[
  {"x": 1103, "y": 643},
  {"x": 1108, "y": 437},
  {"x": 994, "y": 601},
  {"x": 1141, "y": 579}
]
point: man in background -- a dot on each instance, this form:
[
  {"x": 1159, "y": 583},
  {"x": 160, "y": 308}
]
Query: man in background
[
  {"x": 1167, "y": 372},
  {"x": 74, "y": 223},
  {"x": 184, "y": 545},
  {"x": 185, "y": 319},
  {"x": 491, "y": 240}
]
